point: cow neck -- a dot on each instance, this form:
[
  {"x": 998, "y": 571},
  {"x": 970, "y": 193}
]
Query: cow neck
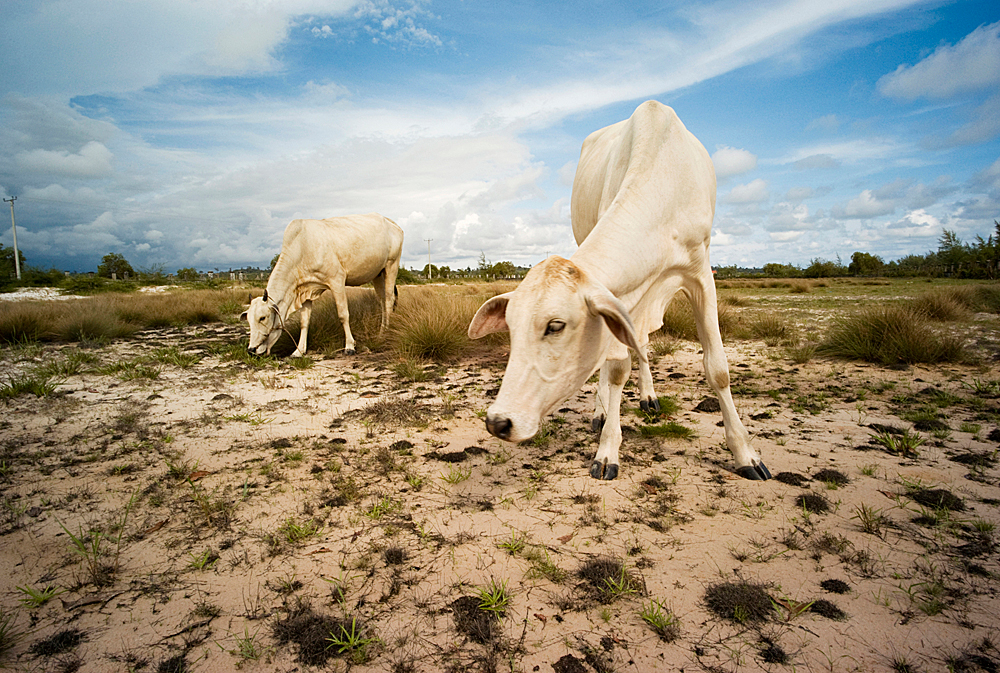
[
  {"x": 281, "y": 295},
  {"x": 621, "y": 267}
]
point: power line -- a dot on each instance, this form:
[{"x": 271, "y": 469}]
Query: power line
[{"x": 430, "y": 270}]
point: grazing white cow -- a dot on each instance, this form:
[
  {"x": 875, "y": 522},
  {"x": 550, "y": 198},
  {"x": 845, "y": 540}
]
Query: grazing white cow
[
  {"x": 317, "y": 255},
  {"x": 643, "y": 203}
]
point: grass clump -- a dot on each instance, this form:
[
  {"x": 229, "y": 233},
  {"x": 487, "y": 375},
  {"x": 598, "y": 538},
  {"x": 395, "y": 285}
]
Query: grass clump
[
  {"x": 607, "y": 579},
  {"x": 668, "y": 430},
  {"x": 890, "y": 334},
  {"x": 743, "y": 601},
  {"x": 431, "y": 326},
  {"x": 662, "y": 620}
]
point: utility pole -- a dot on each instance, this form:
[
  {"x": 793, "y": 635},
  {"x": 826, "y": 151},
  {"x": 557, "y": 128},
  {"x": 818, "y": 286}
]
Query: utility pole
[
  {"x": 430, "y": 271},
  {"x": 17, "y": 259}
]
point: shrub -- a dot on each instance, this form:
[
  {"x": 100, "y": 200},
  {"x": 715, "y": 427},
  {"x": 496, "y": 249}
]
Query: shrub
[
  {"x": 890, "y": 334},
  {"x": 678, "y": 320},
  {"x": 942, "y": 305},
  {"x": 432, "y": 326}
]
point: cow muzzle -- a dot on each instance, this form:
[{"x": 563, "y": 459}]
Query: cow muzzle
[{"x": 499, "y": 426}]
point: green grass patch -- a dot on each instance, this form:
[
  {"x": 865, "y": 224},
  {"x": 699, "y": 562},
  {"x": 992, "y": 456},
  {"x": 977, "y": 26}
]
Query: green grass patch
[{"x": 890, "y": 334}]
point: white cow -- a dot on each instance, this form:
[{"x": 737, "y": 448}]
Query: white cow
[
  {"x": 643, "y": 202},
  {"x": 317, "y": 255}
]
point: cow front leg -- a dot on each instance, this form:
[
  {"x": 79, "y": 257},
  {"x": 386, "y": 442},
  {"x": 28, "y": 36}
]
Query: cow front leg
[
  {"x": 304, "y": 315},
  {"x": 340, "y": 298},
  {"x": 605, "y": 465},
  {"x": 600, "y": 400},
  {"x": 703, "y": 301},
  {"x": 648, "y": 401}
]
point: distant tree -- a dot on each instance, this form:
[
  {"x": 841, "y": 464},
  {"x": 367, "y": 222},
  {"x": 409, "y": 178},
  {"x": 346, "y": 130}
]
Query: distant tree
[
  {"x": 484, "y": 267},
  {"x": 274, "y": 260},
  {"x": 114, "y": 263},
  {"x": 773, "y": 270},
  {"x": 430, "y": 271},
  {"x": 821, "y": 268},
  {"x": 503, "y": 270},
  {"x": 187, "y": 273},
  {"x": 7, "y": 268},
  {"x": 865, "y": 264},
  {"x": 406, "y": 277}
]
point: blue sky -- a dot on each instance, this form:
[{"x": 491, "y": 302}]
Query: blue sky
[{"x": 190, "y": 132}]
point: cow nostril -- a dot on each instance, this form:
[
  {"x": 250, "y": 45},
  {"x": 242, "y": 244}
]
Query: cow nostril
[{"x": 499, "y": 427}]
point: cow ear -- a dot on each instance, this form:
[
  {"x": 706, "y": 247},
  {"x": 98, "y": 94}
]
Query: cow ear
[
  {"x": 265, "y": 294},
  {"x": 491, "y": 317},
  {"x": 616, "y": 317},
  {"x": 243, "y": 316},
  {"x": 249, "y": 297}
]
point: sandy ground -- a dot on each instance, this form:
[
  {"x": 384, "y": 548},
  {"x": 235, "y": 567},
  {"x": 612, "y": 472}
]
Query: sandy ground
[{"x": 223, "y": 516}]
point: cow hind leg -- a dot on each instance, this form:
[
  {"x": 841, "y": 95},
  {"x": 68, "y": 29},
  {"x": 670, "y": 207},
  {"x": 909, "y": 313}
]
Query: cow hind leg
[
  {"x": 379, "y": 284},
  {"x": 304, "y": 315},
  {"x": 706, "y": 313},
  {"x": 340, "y": 297},
  {"x": 605, "y": 465}
]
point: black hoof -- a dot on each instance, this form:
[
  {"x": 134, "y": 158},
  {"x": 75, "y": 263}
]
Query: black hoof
[
  {"x": 597, "y": 424},
  {"x": 650, "y": 405},
  {"x": 350, "y": 351},
  {"x": 757, "y": 472},
  {"x": 599, "y": 470}
]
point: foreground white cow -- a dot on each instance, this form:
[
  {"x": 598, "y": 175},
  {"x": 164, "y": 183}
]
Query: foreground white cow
[
  {"x": 317, "y": 255},
  {"x": 643, "y": 203}
]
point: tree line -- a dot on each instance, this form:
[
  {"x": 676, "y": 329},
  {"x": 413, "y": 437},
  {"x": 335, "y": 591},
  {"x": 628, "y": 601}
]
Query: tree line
[{"x": 953, "y": 258}]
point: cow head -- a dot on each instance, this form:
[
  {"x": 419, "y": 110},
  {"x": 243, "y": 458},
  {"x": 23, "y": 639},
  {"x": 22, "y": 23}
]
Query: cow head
[
  {"x": 557, "y": 320},
  {"x": 265, "y": 324}
]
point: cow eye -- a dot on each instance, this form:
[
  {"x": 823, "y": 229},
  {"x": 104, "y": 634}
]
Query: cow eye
[{"x": 554, "y": 327}]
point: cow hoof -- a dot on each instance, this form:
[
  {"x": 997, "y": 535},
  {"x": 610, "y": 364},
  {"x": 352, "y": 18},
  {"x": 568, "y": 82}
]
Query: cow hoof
[
  {"x": 350, "y": 351},
  {"x": 650, "y": 406},
  {"x": 597, "y": 423},
  {"x": 296, "y": 354},
  {"x": 758, "y": 472},
  {"x": 599, "y": 470}
]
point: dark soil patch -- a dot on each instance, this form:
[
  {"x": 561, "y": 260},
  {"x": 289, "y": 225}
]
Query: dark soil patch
[
  {"x": 310, "y": 632},
  {"x": 813, "y": 502},
  {"x": 401, "y": 445},
  {"x": 982, "y": 546},
  {"x": 937, "y": 498},
  {"x": 975, "y": 459},
  {"x": 887, "y": 429},
  {"x": 448, "y": 457},
  {"x": 394, "y": 556},
  {"x": 175, "y": 664},
  {"x": 835, "y": 586},
  {"x": 57, "y": 643},
  {"x": 825, "y": 608},
  {"x": 606, "y": 578},
  {"x": 741, "y": 602},
  {"x": 832, "y": 477},
  {"x": 480, "y": 625},
  {"x": 569, "y": 664},
  {"x": 994, "y": 435},
  {"x": 476, "y": 451},
  {"x": 791, "y": 478},
  {"x": 772, "y": 653},
  {"x": 709, "y": 405}
]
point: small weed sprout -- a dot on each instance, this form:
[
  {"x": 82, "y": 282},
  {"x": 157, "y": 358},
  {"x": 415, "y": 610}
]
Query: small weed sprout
[
  {"x": 457, "y": 474},
  {"x": 351, "y": 641},
  {"x": 494, "y": 598},
  {"x": 901, "y": 445},
  {"x": 36, "y": 598},
  {"x": 662, "y": 620},
  {"x": 515, "y": 545}
]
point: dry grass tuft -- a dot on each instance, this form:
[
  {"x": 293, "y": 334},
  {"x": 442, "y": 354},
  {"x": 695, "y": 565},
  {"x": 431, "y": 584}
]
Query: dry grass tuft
[{"x": 890, "y": 334}]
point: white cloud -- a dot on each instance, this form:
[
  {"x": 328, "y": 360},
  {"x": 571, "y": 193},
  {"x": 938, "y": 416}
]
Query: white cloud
[
  {"x": 752, "y": 192},
  {"x": 827, "y": 123},
  {"x": 796, "y": 194},
  {"x": 864, "y": 206},
  {"x": 92, "y": 161},
  {"x": 971, "y": 65},
  {"x": 915, "y": 224},
  {"x": 816, "y": 161},
  {"x": 787, "y": 217},
  {"x": 731, "y": 161}
]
